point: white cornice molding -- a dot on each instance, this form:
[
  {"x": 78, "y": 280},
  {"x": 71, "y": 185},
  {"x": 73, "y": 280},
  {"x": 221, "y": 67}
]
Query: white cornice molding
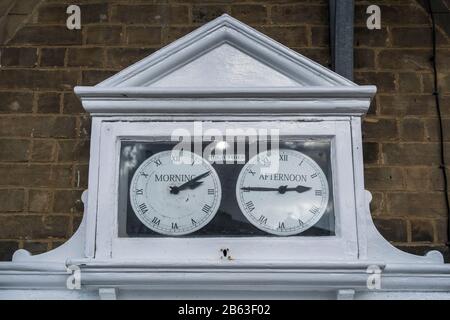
[{"x": 242, "y": 71}]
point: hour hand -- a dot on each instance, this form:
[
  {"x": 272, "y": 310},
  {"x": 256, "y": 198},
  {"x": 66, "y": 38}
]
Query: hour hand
[
  {"x": 299, "y": 189},
  {"x": 191, "y": 184}
]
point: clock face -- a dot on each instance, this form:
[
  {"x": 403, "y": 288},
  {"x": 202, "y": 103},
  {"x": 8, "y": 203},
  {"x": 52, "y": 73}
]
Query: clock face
[
  {"x": 175, "y": 193},
  {"x": 286, "y": 201}
]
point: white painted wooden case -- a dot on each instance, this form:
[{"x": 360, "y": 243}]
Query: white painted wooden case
[
  {"x": 226, "y": 75},
  {"x": 343, "y": 246}
]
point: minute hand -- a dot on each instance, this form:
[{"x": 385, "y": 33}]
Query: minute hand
[{"x": 281, "y": 189}]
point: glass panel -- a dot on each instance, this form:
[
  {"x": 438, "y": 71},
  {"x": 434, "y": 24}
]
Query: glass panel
[{"x": 161, "y": 196}]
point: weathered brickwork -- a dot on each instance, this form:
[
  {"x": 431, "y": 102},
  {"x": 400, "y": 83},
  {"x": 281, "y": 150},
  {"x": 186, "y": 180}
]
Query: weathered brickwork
[
  {"x": 44, "y": 132},
  {"x": 401, "y": 132}
]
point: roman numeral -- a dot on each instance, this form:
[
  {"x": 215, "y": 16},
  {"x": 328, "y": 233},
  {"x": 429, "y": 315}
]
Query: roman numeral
[
  {"x": 319, "y": 193},
  {"x": 140, "y": 191},
  {"x": 144, "y": 174},
  {"x": 281, "y": 226},
  {"x": 252, "y": 172},
  {"x": 156, "y": 221},
  {"x": 301, "y": 162},
  {"x": 158, "y": 162},
  {"x": 174, "y": 225},
  {"x": 206, "y": 208},
  {"x": 283, "y": 157},
  {"x": 193, "y": 222},
  {"x": 143, "y": 208},
  {"x": 262, "y": 219},
  {"x": 314, "y": 210},
  {"x": 314, "y": 175},
  {"x": 300, "y": 222},
  {"x": 250, "y": 206},
  {"x": 211, "y": 191}
]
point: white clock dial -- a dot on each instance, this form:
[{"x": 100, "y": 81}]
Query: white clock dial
[
  {"x": 285, "y": 202},
  {"x": 175, "y": 195}
]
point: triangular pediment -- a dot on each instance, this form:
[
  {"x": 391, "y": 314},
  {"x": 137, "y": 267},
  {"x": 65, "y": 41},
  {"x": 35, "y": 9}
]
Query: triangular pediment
[
  {"x": 224, "y": 65},
  {"x": 225, "y": 53}
]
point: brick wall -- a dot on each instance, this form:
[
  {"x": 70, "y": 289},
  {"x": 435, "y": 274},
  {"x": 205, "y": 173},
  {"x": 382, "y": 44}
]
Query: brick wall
[{"x": 44, "y": 133}]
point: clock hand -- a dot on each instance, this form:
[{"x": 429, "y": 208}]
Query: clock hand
[
  {"x": 259, "y": 189},
  {"x": 191, "y": 184},
  {"x": 281, "y": 189},
  {"x": 299, "y": 189}
]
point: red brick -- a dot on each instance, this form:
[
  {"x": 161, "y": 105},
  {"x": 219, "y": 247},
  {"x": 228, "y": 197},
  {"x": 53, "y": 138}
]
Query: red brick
[
  {"x": 289, "y": 36},
  {"x": 71, "y": 104},
  {"x": 385, "y": 81},
  {"x": 392, "y": 229},
  {"x": 411, "y": 59},
  {"x": 43, "y": 150},
  {"x": 18, "y": 57},
  {"x": 68, "y": 201},
  {"x": 47, "y": 35},
  {"x": 81, "y": 175},
  {"x": 104, "y": 35},
  {"x": 93, "y": 77},
  {"x": 52, "y": 57},
  {"x": 409, "y": 82},
  {"x": 7, "y": 248},
  {"x": 384, "y": 178},
  {"x": 73, "y": 150},
  {"x": 49, "y": 102},
  {"x": 38, "y": 79},
  {"x": 39, "y": 200},
  {"x": 420, "y": 204},
  {"x": 432, "y": 132},
  {"x": 205, "y": 13},
  {"x": 35, "y": 247},
  {"x": 441, "y": 231},
  {"x": 85, "y": 127},
  {"x": 364, "y": 58},
  {"x": 249, "y": 13},
  {"x": 380, "y": 129},
  {"x": 38, "y": 127},
  {"x": 412, "y": 129},
  {"x": 85, "y": 57},
  {"x": 144, "y": 35},
  {"x": 174, "y": 33},
  {"x": 371, "y": 152},
  {"x": 320, "y": 36},
  {"x": 11, "y": 200},
  {"x": 76, "y": 223},
  {"x": 411, "y": 37},
  {"x": 16, "y": 102},
  {"x": 33, "y": 227},
  {"x": 124, "y": 57},
  {"x": 422, "y": 231},
  {"x": 411, "y": 105},
  {"x": 14, "y": 150},
  {"x": 370, "y": 38},
  {"x": 411, "y": 153},
  {"x": 377, "y": 204},
  {"x": 319, "y": 55},
  {"x": 424, "y": 178},
  {"x": 151, "y": 14},
  {"x": 300, "y": 14}
]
